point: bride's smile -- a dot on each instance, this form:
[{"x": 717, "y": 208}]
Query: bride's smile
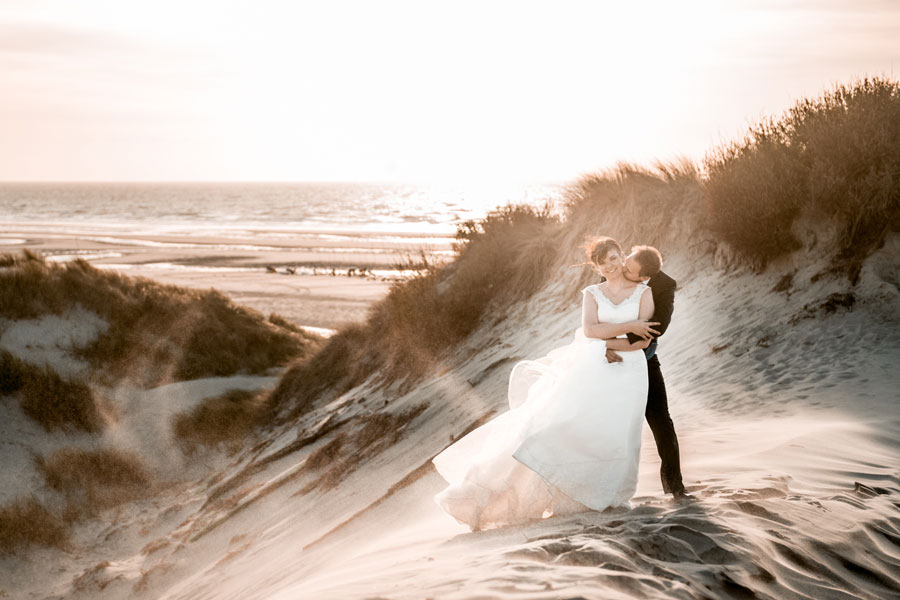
[{"x": 611, "y": 267}]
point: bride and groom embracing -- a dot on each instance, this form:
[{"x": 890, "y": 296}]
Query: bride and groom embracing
[{"x": 572, "y": 437}]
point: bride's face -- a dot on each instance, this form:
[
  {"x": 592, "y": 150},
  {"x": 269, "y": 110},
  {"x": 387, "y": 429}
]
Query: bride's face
[{"x": 611, "y": 267}]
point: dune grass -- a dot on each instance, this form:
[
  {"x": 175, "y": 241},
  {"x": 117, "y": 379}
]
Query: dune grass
[
  {"x": 506, "y": 256},
  {"x": 54, "y": 402},
  {"x": 93, "y": 480},
  {"x": 89, "y": 481},
  {"x": 13, "y": 373},
  {"x": 157, "y": 333},
  {"x": 346, "y": 359},
  {"x": 835, "y": 157},
  {"x": 635, "y": 205},
  {"x": 27, "y": 522},
  {"x": 344, "y": 453},
  {"x": 224, "y": 421}
]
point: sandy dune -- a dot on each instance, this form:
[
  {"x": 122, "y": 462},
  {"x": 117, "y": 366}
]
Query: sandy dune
[
  {"x": 237, "y": 264},
  {"x": 786, "y": 405}
]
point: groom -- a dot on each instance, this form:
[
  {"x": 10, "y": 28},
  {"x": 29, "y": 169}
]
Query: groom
[{"x": 643, "y": 266}]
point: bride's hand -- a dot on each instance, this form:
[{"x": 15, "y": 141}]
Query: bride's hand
[{"x": 644, "y": 329}]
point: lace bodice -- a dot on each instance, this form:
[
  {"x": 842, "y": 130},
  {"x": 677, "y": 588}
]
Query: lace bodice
[{"x": 607, "y": 312}]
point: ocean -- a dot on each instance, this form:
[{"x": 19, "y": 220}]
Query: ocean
[
  {"x": 318, "y": 254},
  {"x": 233, "y": 208}
]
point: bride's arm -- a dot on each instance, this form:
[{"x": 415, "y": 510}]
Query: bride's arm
[
  {"x": 593, "y": 328},
  {"x": 644, "y": 312}
]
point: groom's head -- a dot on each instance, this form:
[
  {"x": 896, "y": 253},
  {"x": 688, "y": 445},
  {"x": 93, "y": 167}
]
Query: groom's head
[{"x": 643, "y": 263}]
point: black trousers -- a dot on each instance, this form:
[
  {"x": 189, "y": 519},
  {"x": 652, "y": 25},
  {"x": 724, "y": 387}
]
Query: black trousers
[{"x": 663, "y": 430}]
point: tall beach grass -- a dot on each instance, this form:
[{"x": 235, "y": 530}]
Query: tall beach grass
[
  {"x": 157, "y": 333},
  {"x": 506, "y": 256},
  {"x": 52, "y": 401},
  {"x": 85, "y": 482},
  {"x": 834, "y": 158}
]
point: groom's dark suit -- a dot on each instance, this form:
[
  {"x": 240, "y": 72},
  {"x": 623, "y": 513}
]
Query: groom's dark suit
[{"x": 663, "y": 289}]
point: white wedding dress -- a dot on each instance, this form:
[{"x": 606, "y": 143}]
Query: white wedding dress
[{"x": 570, "y": 441}]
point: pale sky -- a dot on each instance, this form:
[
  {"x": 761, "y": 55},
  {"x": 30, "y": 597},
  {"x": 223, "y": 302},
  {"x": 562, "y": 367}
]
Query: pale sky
[{"x": 416, "y": 91}]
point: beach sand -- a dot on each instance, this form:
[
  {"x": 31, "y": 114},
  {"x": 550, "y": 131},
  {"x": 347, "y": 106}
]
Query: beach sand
[
  {"x": 319, "y": 293},
  {"x": 786, "y": 407},
  {"x": 320, "y": 301}
]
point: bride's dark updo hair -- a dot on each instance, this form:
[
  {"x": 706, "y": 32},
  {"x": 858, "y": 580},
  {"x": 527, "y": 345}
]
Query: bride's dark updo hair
[{"x": 598, "y": 248}]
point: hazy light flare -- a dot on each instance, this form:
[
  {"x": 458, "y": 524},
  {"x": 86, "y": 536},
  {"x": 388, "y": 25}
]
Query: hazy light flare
[{"x": 406, "y": 90}]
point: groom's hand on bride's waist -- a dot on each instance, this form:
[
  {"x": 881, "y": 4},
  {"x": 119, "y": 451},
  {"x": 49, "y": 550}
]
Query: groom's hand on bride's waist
[
  {"x": 612, "y": 356},
  {"x": 644, "y": 329}
]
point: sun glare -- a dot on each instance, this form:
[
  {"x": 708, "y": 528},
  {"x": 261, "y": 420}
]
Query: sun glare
[{"x": 402, "y": 90}]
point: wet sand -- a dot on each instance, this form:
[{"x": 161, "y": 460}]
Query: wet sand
[
  {"x": 320, "y": 301},
  {"x": 321, "y": 279}
]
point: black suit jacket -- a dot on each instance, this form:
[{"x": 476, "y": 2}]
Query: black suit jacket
[{"x": 663, "y": 289}]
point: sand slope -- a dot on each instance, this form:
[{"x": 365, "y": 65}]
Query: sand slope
[{"x": 786, "y": 405}]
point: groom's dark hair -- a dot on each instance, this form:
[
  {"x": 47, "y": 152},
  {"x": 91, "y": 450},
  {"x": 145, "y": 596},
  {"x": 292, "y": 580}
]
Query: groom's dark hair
[{"x": 649, "y": 258}]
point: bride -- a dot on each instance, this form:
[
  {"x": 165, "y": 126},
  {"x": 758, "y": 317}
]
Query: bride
[{"x": 572, "y": 437}]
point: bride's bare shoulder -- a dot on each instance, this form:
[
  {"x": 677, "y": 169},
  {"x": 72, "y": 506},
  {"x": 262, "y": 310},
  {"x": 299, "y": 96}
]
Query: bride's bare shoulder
[{"x": 591, "y": 292}]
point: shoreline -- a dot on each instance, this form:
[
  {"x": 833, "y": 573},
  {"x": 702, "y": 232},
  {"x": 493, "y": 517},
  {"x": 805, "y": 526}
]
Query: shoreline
[{"x": 319, "y": 280}]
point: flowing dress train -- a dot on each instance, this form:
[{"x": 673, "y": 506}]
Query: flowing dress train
[{"x": 571, "y": 439}]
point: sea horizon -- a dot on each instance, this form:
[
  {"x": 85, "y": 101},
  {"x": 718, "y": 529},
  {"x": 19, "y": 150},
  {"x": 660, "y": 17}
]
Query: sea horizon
[{"x": 179, "y": 207}]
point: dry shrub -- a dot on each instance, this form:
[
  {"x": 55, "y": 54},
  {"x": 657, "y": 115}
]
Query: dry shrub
[
  {"x": 157, "y": 333},
  {"x": 93, "y": 480},
  {"x": 833, "y": 157},
  {"x": 279, "y": 321},
  {"x": 836, "y": 156},
  {"x": 344, "y": 361},
  {"x": 506, "y": 256},
  {"x": 222, "y": 420},
  {"x": 327, "y": 454},
  {"x": 227, "y": 339},
  {"x": 382, "y": 430},
  {"x": 345, "y": 453},
  {"x": 27, "y": 522},
  {"x": 417, "y": 261},
  {"x": 50, "y": 400},
  {"x": 13, "y": 373},
  {"x": 635, "y": 204}
]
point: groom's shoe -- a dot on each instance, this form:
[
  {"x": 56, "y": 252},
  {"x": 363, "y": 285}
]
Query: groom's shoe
[{"x": 682, "y": 496}]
